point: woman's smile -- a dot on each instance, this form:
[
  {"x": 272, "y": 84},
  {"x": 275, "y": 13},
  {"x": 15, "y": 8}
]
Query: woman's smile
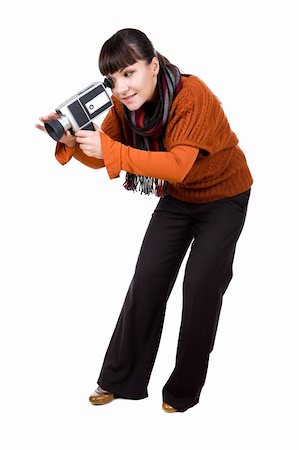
[{"x": 128, "y": 98}]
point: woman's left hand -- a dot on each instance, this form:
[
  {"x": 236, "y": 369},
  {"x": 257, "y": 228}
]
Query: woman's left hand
[{"x": 90, "y": 142}]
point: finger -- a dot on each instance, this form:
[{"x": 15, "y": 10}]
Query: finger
[
  {"x": 83, "y": 133},
  {"x": 52, "y": 115},
  {"x": 84, "y": 148},
  {"x": 86, "y": 152},
  {"x": 40, "y": 127},
  {"x": 80, "y": 140}
]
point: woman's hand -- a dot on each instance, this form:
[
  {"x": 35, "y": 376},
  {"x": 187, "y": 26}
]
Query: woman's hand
[
  {"x": 68, "y": 139},
  {"x": 90, "y": 142}
]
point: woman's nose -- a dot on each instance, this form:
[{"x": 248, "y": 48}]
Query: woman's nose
[{"x": 121, "y": 87}]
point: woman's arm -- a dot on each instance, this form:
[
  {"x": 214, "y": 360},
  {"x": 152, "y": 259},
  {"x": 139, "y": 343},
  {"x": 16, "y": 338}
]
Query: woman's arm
[{"x": 171, "y": 165}]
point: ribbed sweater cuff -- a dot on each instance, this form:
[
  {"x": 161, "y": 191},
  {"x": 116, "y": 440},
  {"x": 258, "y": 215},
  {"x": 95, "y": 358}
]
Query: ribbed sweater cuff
[{"x": 63, "y": 153}]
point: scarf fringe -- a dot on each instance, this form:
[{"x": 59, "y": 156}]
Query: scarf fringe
[
  {"x": 147, "y": 185},
  {"x": 147, "y": 127}
]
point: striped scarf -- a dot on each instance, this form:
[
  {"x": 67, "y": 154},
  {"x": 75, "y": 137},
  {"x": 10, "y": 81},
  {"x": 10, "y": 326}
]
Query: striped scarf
[{"x": 146, "y": 128}]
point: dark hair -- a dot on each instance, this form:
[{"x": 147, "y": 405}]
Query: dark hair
[{"x": 125, "y": 48}]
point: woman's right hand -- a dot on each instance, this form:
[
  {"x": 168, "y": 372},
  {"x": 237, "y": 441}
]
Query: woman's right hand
[{"x": 68, "y": 139}]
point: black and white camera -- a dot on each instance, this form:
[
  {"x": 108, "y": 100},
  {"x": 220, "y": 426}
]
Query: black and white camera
[{"x": 79, "y": 111}]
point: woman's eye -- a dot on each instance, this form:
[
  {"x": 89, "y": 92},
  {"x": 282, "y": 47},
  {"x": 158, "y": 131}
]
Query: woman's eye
[{"x": 128, "y": 74}]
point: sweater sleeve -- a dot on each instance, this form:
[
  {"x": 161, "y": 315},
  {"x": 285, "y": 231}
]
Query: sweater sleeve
[{"x": 171, "y": 166}]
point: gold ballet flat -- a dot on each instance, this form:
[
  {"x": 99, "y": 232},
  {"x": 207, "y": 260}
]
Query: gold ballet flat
[
  {"x": 101, "y": 398},
  {"x": 168, "y": 408}
]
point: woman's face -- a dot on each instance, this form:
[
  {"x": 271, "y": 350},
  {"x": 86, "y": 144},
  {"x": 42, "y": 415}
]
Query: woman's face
[{"x": 135, "y": 84}]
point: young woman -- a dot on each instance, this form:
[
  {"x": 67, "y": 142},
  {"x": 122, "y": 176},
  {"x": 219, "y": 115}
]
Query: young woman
[{"x": 169, "y": 132}]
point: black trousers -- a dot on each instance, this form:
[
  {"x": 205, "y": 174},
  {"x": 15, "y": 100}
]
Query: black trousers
[{"x": 212, "y": 229}]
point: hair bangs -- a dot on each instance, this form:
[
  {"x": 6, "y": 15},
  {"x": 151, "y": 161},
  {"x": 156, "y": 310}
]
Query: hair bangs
[{"x": 116, "y": 54}]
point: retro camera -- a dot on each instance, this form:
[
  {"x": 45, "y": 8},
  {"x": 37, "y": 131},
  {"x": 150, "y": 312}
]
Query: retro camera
[{"x": 78, "y": 112}]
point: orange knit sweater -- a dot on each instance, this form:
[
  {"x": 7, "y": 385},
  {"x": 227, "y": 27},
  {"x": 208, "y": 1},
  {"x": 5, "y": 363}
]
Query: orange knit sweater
[{"x": 202, "y": 161}]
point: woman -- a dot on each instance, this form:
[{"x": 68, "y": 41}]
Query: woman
[{"x": 168, "y": 131}]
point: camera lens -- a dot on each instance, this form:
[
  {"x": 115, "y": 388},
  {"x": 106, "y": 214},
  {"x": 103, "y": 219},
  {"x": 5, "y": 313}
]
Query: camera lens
[{"x": 54, "y": 129}]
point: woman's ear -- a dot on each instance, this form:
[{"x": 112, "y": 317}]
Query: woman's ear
[{"x": 155, "y": 65}]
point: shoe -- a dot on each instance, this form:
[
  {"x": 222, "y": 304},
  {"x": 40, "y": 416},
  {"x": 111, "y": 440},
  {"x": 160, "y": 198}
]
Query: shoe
[
  {"x": 168, "y": 408},
  {"x": 101, "y": 397}
]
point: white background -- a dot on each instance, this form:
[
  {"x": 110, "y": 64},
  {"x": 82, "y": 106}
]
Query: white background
[{"x": 71, "y": 236}]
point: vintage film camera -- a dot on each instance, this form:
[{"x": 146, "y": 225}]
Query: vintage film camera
[{"x": 78, "y": 112}]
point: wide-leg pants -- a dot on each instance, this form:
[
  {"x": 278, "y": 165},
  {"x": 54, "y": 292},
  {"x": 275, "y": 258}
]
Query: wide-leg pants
[{"x": 212, "y": 229}]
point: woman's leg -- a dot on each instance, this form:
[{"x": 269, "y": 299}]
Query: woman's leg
[
  {"x": 207, "y": 276},
  {"x": 132, "y": 350}
]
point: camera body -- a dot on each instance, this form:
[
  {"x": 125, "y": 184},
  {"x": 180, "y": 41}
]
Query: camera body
[{"x": 79, "y": 111}]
